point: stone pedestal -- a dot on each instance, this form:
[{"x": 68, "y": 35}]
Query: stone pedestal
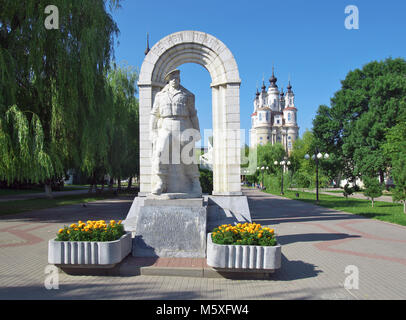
[
  {"x": 168, "y": 228},
  {"x": 227, "y": 210}
]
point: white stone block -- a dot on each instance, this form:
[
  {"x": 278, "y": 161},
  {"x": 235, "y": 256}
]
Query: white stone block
[
  {"x": 243, "y": 257},
  {"x": 145, "y": 153},
  {"x": 233, "y": 117},
  {"x": 89, "y": 252}
]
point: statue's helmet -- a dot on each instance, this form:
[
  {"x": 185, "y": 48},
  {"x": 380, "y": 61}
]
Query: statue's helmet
[{"x": 171, "y": 74}]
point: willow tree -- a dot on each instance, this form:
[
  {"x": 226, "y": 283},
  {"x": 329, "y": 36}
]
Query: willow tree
[
  {"x": 53, "y": 87},
  {"x": 123, "y": 155}
]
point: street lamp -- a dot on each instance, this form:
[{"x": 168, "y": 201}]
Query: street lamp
[
  {"x": 317, "y": 156},
  {"x": 282, "y": 164},
  {"x": 258, "y": 168},
  {"x": 244, "y": 174}
]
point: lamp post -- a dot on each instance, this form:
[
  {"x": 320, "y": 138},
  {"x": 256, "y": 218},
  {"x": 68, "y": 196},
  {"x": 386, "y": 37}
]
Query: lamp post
[
  {"x": 245, "y": 172},
  {"x": 282, "y": 164},
  {"x": 317, "y": 156},
  {"x": 262, "y": 182},
  {"x": 257, "y": 170}
]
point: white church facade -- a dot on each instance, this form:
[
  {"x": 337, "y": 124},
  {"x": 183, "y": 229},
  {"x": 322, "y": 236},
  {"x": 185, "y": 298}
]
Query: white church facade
[{"x": 274, "y": 119}]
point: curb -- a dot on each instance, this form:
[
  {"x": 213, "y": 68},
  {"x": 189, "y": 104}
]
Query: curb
[{"x": 129, "y": 268}]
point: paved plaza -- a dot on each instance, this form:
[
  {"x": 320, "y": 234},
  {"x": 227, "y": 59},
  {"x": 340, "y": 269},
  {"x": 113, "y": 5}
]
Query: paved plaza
[{"x": 318, "y": 244}]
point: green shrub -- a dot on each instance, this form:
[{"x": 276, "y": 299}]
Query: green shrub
[{"x": 206, "y": 180}]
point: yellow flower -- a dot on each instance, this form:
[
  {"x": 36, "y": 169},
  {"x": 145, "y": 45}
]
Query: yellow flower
[
  {"x": 60, "y": 231},
  {"x": 73, "y": 225}
]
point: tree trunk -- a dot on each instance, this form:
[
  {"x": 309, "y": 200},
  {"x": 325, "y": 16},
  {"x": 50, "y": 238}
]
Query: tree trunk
[
  {"x": 130, "y": 181},
  {"x": 48, "y": 190},
  {"x": 118, "y": 184},
  {"x": 404, "y": 206},
  {"x": 93, "y": 183},
  {"x": 111, "y": 182},
  {"x": 381, "y": 177},
  {"x": 372, "y": 202}
]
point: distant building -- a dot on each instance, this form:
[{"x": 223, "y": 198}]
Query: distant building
[{"x": 274, "y": 119}]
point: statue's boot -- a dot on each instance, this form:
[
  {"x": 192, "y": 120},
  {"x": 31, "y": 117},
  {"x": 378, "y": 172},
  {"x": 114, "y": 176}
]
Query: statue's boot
[
  {"x": 196, "y": 188},
  {"x": 159, "y": 187}
]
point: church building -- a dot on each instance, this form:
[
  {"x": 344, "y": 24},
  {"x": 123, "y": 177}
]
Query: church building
[{"x": 274, "y": 119}]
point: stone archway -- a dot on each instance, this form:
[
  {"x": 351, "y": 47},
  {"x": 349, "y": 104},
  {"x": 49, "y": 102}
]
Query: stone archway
[{"x": 204, "y": 49}]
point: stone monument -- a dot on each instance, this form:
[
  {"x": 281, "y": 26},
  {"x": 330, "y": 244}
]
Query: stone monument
[
  {"x": 172, "y": 220},
  {"x": 170, "y": 217}
]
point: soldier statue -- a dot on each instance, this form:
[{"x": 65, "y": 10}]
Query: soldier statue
[{"x": 174, "y": 112}]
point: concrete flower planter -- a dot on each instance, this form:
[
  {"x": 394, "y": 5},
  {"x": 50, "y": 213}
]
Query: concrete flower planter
[
  {"x": 83, "y": 253},
  {"x": 240, "y": 258}
]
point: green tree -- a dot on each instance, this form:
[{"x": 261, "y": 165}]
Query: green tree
[
  {"x": 395, "y": 149},
  {"x": 373, "y": 188},
  {"x": 399, "y": 177},
  {"x": 267, "y": 154},
  {"x": 371, "y": 100},
  {"x": 395, "y": 145},
  {"x": 54, "y": 105},
  {"x": 303, "y": 170}
]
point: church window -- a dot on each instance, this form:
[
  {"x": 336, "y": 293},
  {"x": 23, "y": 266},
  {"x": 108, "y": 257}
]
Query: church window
[
  {"x": 260, "y": 116},
  {"x": 289, "y": 137},
  {"x": 267, "y": 116},
  {"x": 289, "y": 116},
  {"x": 278, "y": 121}
]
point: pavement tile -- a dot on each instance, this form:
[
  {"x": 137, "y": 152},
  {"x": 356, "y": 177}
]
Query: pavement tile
[{"x": 317, "y": 246}]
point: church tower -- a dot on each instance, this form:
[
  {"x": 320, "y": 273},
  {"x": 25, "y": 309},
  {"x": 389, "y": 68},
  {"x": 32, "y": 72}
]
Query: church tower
[{"x": 274, "y": 119}]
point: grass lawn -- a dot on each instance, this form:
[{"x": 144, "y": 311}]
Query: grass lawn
[
  {"x": 384, "y": 193},
  {"x": 17, "y": 206},
  {"x": 384, "y": 211},
  {"x": 333, "y": 191},
  {"x": 12, "y": 192}
]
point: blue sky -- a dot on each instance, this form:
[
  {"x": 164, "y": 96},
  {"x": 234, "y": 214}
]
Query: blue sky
[{"x": 305, "y": 39}]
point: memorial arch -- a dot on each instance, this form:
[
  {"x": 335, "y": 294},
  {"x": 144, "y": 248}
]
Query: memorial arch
[{"x": 196, "y": 47}]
